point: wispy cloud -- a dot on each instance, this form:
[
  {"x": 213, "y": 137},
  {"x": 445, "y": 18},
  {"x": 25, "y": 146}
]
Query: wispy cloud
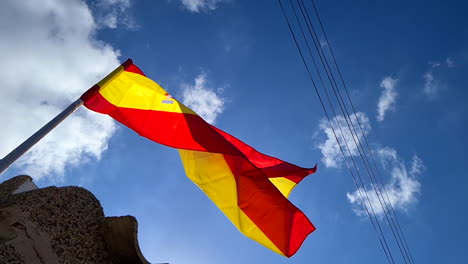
[
  {"x": 434, "y": 64},
  {"x": 450, "y": 63},
  {"x": 388, "y": 97},
  {"x": 431, "y": 86},
  {"x": 323, "y": 43},
  {"x": 52, "y": 58},
  {"x": 198, "y": 6},
  {"x": 402, "y": 189},
  {"x": 203, "y": 99},
  {"x": 113, "y": 13},
  {"x": 332, "y": 157}
]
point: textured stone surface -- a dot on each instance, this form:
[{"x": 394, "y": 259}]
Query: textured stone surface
[
  {"x": 62, "y": 225},
  {"x": 8, "y": 254},
  {"x": 32, "y": 245},
  {"x": 121, "y": 236},
  {"x": 9, "y": 186},
  {"x": 71, "y": 217}
]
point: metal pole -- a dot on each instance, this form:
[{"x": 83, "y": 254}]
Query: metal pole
[{"x": 32, "y": 140}]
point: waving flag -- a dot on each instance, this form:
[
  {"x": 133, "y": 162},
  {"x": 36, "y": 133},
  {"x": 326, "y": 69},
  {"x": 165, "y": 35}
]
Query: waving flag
[{"x": 250, "y": 188}]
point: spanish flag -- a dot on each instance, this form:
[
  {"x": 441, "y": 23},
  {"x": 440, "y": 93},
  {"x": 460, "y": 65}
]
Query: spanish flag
[{"x": 249, "y": 187}]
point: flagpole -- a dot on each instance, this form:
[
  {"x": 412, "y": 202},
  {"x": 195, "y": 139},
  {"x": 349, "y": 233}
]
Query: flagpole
[{"x": 32, "y": 140}]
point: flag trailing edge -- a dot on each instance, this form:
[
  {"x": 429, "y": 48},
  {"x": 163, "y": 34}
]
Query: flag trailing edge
[{"x": 249, "y": 187}]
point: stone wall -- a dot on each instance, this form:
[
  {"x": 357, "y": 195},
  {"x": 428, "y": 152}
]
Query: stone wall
[{"x": 61, "y": 225}]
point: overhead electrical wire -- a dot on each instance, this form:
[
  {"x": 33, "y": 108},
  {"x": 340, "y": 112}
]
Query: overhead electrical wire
[
  {"x": 360, "y": 185},
  {"x": 346, "y": 144},
  {"x": 356, "y": 139},
  {"x": 380, "y": 235},
  {"x": 360, "y": 127},
  {"x": 387, "y": 207},
  {"x": 358, "y": 144},
  {"x": 346, "y": 116}
]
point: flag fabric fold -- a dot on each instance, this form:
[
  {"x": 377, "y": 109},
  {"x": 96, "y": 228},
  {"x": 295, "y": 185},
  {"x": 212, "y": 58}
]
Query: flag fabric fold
[{"x": 249, "y": 187}]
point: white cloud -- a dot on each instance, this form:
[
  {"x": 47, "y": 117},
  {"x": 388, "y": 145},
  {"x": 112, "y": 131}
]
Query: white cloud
[
  {"x": 110, "y": 20},
  {"x": 431, "y": 86},
  {"x": 388, "y": 97},
  {"x": 202, "y": 99},
  {"x": 52, "y": 58},
  {"x": 198, "y": 6},
  {"x": 112, "y": 13},
  {"x": 402, "y": 189},
  {"x": 450, "y": 62},
  {"x": 120, "y": 3},
  {"x": 417, "y": 166},
  {"x": 332, "y": 157},
  {"x": 434, "y": 64},
  {"x": 323, "y": 43}
]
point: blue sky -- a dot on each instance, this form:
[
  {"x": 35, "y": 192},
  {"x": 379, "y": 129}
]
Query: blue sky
[{"x": 235, "y": 63}]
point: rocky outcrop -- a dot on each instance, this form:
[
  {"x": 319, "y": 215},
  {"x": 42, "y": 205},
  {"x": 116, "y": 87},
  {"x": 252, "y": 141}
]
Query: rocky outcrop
[
  {"x": 121, "y": 236},
  {"x": 61, "y": 225}
]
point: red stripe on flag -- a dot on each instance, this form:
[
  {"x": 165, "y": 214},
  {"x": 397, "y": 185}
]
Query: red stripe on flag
[
  {"x": 193, "y": 133},
  {"x": 130, "y": 67},
  {"x": 89, "y": 95},
  {"x": 271, "y": 166},
  {"x": 177, "y": 130},
  {"x": 282, "y": 222}
]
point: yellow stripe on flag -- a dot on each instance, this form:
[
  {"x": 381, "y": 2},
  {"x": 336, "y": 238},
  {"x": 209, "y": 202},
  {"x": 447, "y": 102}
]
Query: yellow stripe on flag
[
  {"x": 131, "y": 90},
  {"x": 284, "y": 185},
  {"x": 211, "y": 173}
]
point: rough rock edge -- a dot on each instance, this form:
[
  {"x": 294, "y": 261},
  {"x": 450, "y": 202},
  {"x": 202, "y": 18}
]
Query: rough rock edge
[{"x": 57, "y": 214}]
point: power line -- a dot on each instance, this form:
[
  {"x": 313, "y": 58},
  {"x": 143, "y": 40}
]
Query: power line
[
  {"x": 360, "y": 127},
  {"x": 335, "y": 115},
  {"x": 372, "y": 216},
  {"x": 386, "y": 205},
  {"x": 354, "y": 135}
]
